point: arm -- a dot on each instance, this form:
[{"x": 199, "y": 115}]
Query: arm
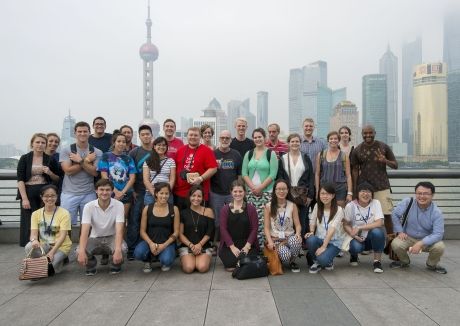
[
  {"x": 82, "y": 257},
  {"x": 34, "y": 236},
  {"x": 173, "y": 237},
  {"x": 253, "y": 225},
  {"x": 71, "y": 169},
  {"x": 59, "y": 241},
  {"x": 273, "y": 170},
  {"x": 182, "y": 236},
  {"x": 224, "y": 235},
  {"x": 146, "y": 178},
  {"x": 129, "y": 184},
  {"x": 349, "y": 180},
  {"x": 209, "y": 232},
  {"x": 295, "y": 216},
  {"x": 438, "y": 230},
  {"x": 317, "y": 173},
  {"x": 267, "y": 225},
  {"x": 208, "y": 174},
  {"x": 89, "y": 164},
  {"x": 172, "y": 177},
  {"x": 23, "y": 192},
  {"x": 119, "y": 232}
]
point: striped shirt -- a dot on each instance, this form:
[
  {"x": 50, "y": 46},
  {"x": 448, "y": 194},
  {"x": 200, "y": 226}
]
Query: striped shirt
[
  {"x": 313, "y": 148},
  {"x": 165, "y": 172}
]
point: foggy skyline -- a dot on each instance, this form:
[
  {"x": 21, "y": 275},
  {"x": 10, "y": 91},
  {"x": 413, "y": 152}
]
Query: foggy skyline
[{"x": 84, "y": 56}]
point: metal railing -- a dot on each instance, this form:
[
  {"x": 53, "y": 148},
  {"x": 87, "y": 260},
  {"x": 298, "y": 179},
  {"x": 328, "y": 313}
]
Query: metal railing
[{"x": 447, "y": 196}]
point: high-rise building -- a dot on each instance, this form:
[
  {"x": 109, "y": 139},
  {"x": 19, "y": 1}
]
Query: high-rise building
[
  {"x": 296, "y": 114},
  {"x": 451, "y": 56},
  {"x": 218, "y": 121},
  {"x": 338, "y": 95},
  {"x": 240, "y": 109},
  {"x": 148, "y": 53},
  {"x": 68, "y": 134},
  {"x": 262, "y": 109},
  {"x": 375, "y": 104},
  {"x": 430, "y": 112},
  {"x": 411, "y": 56},
  {"x": 389, "y": 67},
  {"x": 324, "y": 108},
  {"x": 346, "y": 114}
]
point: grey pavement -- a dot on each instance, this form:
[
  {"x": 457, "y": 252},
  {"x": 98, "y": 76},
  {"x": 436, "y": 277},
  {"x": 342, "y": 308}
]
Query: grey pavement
[{"x": 346, "y": 296}]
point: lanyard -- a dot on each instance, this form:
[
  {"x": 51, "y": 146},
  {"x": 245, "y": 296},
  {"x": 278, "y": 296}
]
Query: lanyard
[
  {"x": 326, "y": 225},
  {"x": 365, "y": 219},
  {"x": 52, "y": 218},
  {"x": 282, "y": 219}
]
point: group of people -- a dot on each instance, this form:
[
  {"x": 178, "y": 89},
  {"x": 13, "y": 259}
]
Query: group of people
[{"x": 163, "y": 198}]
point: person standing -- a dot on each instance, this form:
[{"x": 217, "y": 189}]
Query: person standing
[
  {"x": 423, "y": 230},
  {"x": 79, "y": 162},
  {"x": 174, "y": 143},
  {"x": 100, "y": 139},
  {"x": 274, "y": 143},
  {"x": 127, "y": 131},
  {"x": 241, "y": 143},
  {"x": 139, "y": 155},
  {"x": 311, "y": 145},
  {"x": 369, "y": 161}
]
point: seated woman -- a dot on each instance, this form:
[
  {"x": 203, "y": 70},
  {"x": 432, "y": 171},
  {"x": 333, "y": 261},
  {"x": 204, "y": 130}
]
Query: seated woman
[
  {"x": 282, "y": 226},
  {"x": 238, "y": 228},
  {"x": 326, "y": 218},
  {"x": 159, "y": 230},
  {"x": 49, "y": 229},
  {"x": 196, "y": 229},
  {"x": 363, "y": 221}
]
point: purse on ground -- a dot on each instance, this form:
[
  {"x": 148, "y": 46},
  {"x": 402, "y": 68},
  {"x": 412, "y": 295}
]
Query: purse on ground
[
  {"x": 250, "y": 266},
  {"x": 35, "y": 268}
]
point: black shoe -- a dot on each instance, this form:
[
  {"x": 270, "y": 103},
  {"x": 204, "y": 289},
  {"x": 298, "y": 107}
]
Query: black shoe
[
  {"x": 115, "y": 270},
  {"x": 294, "y": 267},
  {"x": 130, "y": 255},
  {"x": 378, "y": 267},
  {"x": 354, "y": 260},
  {"x": 437, "y": 269},
  {"x": 91, "y": 272},
  {"x": 105, "y": 260},
  {"x": 398, "y": 264}
]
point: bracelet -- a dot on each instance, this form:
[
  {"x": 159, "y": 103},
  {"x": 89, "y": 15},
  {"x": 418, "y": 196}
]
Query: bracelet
[
  {"x": 350, "y": 193},
  {"x": 190, "y": 245},
  {"x": 173, "y": 236}
]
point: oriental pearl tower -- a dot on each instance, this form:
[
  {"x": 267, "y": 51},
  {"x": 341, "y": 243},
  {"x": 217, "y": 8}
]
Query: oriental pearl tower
[{"x": 149, "y": 53}]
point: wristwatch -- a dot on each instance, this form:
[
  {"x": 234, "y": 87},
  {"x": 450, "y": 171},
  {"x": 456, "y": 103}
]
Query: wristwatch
[{"x": 32, "y": 240}]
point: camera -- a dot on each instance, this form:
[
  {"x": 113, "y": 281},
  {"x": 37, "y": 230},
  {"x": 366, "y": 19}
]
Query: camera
[{"x": 183, "y": 174}]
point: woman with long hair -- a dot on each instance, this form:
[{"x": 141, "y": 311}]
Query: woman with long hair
[
  {"x": 159, "y": 230},
  {"x": 282, "y": 225},
  {"x": 333, "y": 166},
  {"x": 238, "y": 228},
  {"x": 325, "y": 237},
  {"x": 35, "y": 170},
  {"x": 260, "y": 167},
  {"x": 195, "y": 232},
  {"x": 158, "y": 168},
  {"x": 345, "y": 139},
  {"x": 119, "y": 168},
  {"x": 50, "y": 228}
]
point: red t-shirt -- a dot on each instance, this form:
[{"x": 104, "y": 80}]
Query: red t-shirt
[
  {"x": 279, "y": 148},
  {"x": 198, "y": 160},
  {"x": 173, "y": 147}
]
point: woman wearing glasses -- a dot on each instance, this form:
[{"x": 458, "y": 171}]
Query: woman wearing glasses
[
  {"x": 49, "y": 229},
  {"x": 363, "y": 221}
]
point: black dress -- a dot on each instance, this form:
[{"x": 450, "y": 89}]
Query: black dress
[
  {"x": 239, "y": 228},
  {"x": 196, "y": 226}
]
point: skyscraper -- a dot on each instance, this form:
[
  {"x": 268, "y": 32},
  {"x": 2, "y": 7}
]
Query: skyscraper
[
  {"x": 346, "y": 114},
  {"x": 262, "y": 109},
  {"x": 430, "y": 111},
  {"x": 148, "y": 53},
  {"x": 451, "y": 56},
  {"x": 296, "y": 113},
  {"x": 68, "y": 134},
  {"x": 240, "y": 109},
  {"x": 411, "y": 56},
  {"x": 389, "y": 67},
  {"x": 214, "y": 116},
  {"x": 375, "y": 104}
]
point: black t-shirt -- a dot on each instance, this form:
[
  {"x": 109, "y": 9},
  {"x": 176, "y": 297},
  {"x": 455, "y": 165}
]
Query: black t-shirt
[
  {"x": 242, "y": 146},
  {"x": 196, "y": 226},
  {"x": 103, "y": 143},
  {"x": 139, "y": 155},
  {"x": 228, "y": 169}
]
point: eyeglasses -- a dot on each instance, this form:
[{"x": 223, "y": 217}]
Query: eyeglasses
[
  {"x": 281, "y": 189},
  {"x": 224, "y": 138},
  {"x": 424, "y": 194},
  {"x": 160, "y": 145},
  {"x": 49, "y": 196}
]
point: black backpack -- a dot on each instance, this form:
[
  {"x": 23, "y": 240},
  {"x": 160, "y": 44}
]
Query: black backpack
[{"x": 268, "y": 153}]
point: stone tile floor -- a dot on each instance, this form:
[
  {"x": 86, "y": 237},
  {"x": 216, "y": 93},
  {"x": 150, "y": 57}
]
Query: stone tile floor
[{"x": 345, "y": 296}]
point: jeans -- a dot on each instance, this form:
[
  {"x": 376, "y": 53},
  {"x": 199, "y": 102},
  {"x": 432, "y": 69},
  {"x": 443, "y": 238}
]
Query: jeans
[
  {"x": 375, "y": 240},
  {"x": 75, "y": 203},
  {"x": 218, "y": 201},
  {"x": 134, "y": 221},
  {"x": 166, "y": 257},
  {"x": 327, "y": 257}
]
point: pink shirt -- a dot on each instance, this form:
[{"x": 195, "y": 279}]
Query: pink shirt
[{"x": 279, "y": 148}]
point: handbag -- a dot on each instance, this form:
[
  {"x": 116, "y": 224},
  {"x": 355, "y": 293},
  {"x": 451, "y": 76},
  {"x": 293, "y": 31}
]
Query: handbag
[
  {"x": 273, "y": 261},
  {"x": 299, "y": 193},
  {"x": 250, "y": 266},
  {"x": 36, "y": 268},
  {"x": 390, "y": 237}
]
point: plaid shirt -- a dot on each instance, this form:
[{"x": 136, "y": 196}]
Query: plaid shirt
[{"x": 313, "y": 148}]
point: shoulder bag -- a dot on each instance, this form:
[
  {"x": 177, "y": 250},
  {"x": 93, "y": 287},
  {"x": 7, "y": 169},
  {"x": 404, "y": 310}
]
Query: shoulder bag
[
  {"x": 250, "y": 266},
  {"x": 390, "y": 237},
  {"x": 274, "y": 263}
]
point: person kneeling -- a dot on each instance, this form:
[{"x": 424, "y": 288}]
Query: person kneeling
[
  {"x": 106, "y": 219},
  {"x": 282, "y": 225},
  {"x": 363, "y": 221},
  {"x": 326, "y": 218},
  {"x": 196, "y": 229},
  {"x": 159, "y": 230}
]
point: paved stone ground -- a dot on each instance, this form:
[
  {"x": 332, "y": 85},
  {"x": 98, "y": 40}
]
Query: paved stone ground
[{"x": 345, "y": 296}]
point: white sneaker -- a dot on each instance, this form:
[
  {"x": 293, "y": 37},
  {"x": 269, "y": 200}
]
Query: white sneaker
[
  {"x": 314, "y": 268},
  {"x": 147, "y": 268},
  {"x": 165, "y": 268}
]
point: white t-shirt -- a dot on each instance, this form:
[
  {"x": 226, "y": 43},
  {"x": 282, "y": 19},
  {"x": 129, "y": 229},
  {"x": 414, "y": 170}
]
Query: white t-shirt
[
  {"x": 323, "y": 226},
  {"x": 357, "y": 215},
  {"x": 103, "y": 222}
]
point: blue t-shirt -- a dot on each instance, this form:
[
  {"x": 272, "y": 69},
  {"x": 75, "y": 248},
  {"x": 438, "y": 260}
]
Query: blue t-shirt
[{"x": 118, "y": 168}]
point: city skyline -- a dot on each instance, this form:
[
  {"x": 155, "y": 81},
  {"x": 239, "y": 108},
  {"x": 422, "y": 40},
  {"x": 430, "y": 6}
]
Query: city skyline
[{"x": 90, "y": 64}]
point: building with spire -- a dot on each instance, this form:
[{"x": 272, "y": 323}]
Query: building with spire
[
  {"x": 262, "y": 109},
  {"x": 375, "y": 104},
  {"x": 68, "y": 134},
  {"x": 389, "y": 67},
  {"x": 148, "y": 53}
]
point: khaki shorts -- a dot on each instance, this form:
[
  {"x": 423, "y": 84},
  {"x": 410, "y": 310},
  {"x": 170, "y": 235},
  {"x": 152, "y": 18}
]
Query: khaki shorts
[{"x": 384, "y": 197}]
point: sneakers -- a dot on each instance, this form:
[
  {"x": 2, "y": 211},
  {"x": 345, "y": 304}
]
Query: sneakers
[
  {"x": 294, "y": 267},
  {"x": 105, "y": 260},
  {"x": 354, "y": 261},
  {"x": 365, "y": 252},
  {"x": 340, "y": 254},
  {"x": 437, "y": 269},
  {"x": 378, "y": 267},
  {"x": 147, "y": 268},
  {"x": 130, "y": 255},
  {"x": 91, "y": 272},
  {"x": 165, "y": 268},
  {"x": 398, "y": 264},
  {"x": 329, "y": 267},
  {"x": 115, "y": 270},
  {"x": 314, "y": 268}
]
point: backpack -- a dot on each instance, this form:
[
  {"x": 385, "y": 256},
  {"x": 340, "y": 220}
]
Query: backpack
[{"x": 268, "y": 153}]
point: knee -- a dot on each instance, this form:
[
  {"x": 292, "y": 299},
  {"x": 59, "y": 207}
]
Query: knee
[
  {"x": 377, "y": 233},
  {"x": 311, "y": 241},
  {"x": 202, "y": 267},
  {"x": 355, "y": 247},
  {"x": 323, "y": 260},
  {"x": 438, "y": 248},
  {"x": 188, "y": 268},
  {"x": 397, "y": 244}
]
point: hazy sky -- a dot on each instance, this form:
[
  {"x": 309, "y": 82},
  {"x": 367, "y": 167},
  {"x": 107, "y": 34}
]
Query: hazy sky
[{"x": 83, "y": 55}]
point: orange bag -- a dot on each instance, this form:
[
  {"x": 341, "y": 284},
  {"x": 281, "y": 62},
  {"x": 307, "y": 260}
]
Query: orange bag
[{"x": 274, "y": 263}]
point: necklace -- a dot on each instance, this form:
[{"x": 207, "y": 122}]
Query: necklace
[{"x": 195, "y": 224}]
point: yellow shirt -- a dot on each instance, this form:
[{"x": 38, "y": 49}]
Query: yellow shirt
[{"x": 61, "y": 221}]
